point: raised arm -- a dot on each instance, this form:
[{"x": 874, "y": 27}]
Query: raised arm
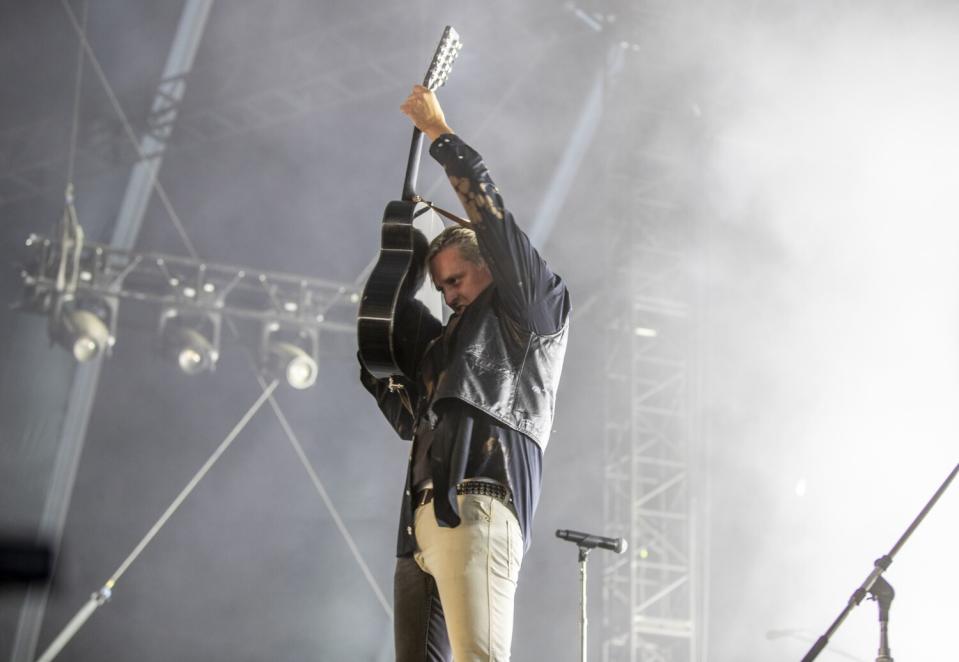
[{"x": 532, "y": 294}]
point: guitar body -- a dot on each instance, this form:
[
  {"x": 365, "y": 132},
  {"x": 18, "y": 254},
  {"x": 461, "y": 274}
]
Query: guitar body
[
  {"x": 392, "y": 283},
  {"x": 400, "y": 269}
]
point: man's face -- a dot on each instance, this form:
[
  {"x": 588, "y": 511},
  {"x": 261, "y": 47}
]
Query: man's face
[{"x": 460, "y": 280}]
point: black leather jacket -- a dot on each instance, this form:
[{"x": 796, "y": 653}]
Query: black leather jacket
[
  {"x": 511, "y": 341},
  {"x": 506, "y": 371}
]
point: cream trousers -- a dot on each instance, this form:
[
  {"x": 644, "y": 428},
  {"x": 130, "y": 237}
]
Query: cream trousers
[{"x": 475, "y": 566}]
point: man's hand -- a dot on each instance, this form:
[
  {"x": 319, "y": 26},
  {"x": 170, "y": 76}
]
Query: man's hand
[{"x": 424, "y": 109}]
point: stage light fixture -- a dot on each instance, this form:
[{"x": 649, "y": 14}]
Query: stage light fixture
[
  {"x": 190, "y": 340},
  {"x": 83, "y": 333},
  {"x": 293, "y": 363},
  {"x": 291, "y": 354}
]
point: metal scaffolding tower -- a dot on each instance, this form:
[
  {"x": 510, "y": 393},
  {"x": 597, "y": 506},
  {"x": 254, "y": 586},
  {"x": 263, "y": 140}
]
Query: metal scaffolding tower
[{"x": 651, "y": 595}]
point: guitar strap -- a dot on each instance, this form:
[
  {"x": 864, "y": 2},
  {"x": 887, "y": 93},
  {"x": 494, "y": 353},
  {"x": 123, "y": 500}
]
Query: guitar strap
[{"x": 462, "y": 222}]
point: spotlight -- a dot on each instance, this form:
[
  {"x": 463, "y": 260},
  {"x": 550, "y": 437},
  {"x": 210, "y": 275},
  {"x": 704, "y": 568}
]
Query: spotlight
[
  {"x": 193, "y": 352},
  {"x": 294, "y": 363},
  {"x": 83, "y": 333},
  {"x": 291, "y": 354},
  {"x": 191, "y": 340}
]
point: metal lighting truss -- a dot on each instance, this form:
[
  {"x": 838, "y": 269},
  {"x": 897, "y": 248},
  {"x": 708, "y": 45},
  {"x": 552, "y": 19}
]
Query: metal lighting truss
[
  {"x": 650, "y": 601},
  {"x": 190, "y": 286}
]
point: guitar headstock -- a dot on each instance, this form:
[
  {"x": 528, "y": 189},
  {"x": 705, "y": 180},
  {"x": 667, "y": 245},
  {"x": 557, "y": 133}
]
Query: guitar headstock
[{"x": 446, "y": 52}]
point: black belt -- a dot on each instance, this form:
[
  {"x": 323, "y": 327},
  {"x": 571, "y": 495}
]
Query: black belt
[{"x": 478, "y": 487}]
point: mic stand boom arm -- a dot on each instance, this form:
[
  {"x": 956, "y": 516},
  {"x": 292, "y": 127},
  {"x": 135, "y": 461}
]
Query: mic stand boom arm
[{"x": 880, "y": 566}]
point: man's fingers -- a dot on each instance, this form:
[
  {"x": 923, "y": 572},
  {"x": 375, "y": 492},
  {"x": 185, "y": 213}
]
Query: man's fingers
[
  {"x": 422, "y": 107},
  {"x": 413, "y": 101}
]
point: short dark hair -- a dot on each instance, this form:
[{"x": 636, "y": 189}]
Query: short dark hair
[{"x": 462, "y": 238}]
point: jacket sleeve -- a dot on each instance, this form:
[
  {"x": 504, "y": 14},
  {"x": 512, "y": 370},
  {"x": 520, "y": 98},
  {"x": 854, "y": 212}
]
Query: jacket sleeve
[
  {"x": 396, "y": 404},
  {"x": 530, "y": 292}
]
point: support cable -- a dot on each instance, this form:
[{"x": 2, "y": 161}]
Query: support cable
[
  {"x": 334, "y": 514},
  {"x": 318, "y": 484},
  {"x": 106, "y": 591},
  {"x": 75, "y": 125},
  {"x": 71, "y": 233}
]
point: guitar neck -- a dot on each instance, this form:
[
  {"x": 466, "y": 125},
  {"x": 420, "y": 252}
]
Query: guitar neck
[
  {"x": 413, "y": 165},
  {"x": 436, "y": 76}
]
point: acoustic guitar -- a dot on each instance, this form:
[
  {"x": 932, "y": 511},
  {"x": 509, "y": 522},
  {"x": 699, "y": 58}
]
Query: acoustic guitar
[{"x": 399, "y": 269}]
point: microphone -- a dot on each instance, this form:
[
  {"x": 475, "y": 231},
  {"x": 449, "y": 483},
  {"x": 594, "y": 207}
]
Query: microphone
[{"x": 591, "y": 541}]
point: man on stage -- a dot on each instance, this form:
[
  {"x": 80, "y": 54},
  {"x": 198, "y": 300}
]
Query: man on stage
[{"x": 479, "y": 408}]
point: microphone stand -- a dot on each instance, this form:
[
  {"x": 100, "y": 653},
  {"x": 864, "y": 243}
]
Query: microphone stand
[
  {"x": 882, "y": 592},
  {"x": 878, "y": 587},
  {"x": 586, "y": 542},
  {"x": 583, "y": 553}
]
